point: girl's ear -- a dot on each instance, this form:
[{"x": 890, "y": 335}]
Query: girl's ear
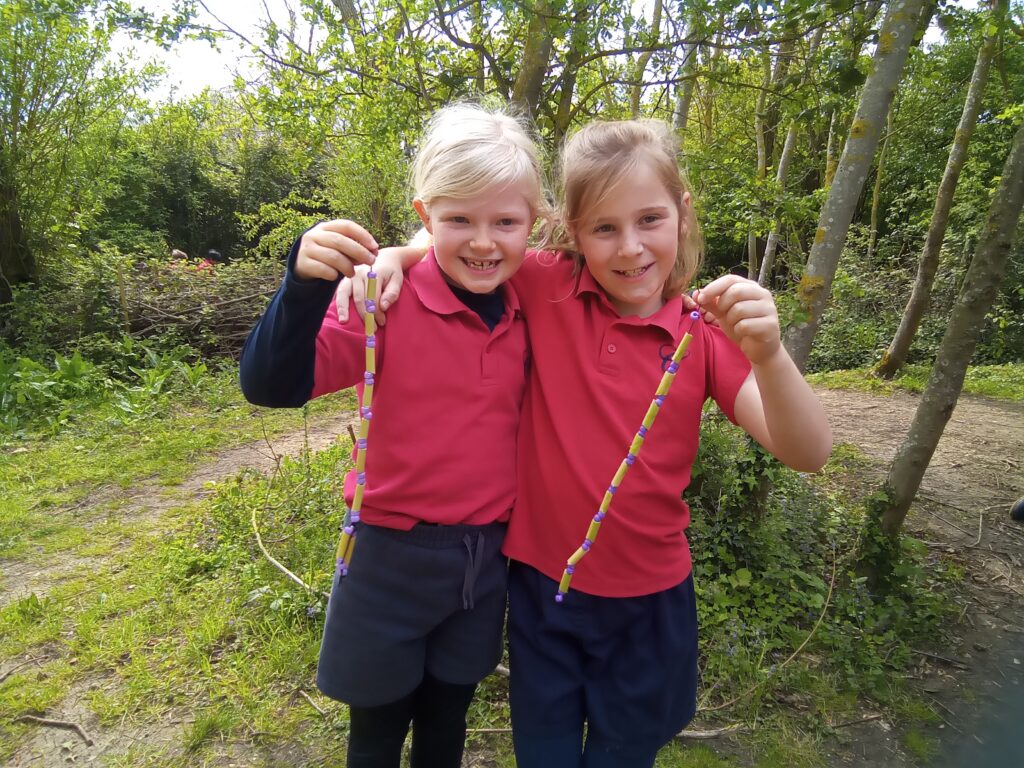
[
  {"x": 421, "y": 210},
  {"x": 685, "y": 214}
]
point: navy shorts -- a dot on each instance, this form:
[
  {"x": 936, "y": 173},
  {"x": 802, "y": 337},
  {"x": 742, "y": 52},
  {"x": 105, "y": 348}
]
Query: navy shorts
[
  {"x": 626, "y": 666},
  {"x": 428, "y": 599}
]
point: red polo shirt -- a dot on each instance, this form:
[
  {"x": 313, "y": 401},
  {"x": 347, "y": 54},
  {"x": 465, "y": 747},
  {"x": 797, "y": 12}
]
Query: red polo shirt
[
  {"x": 592, "y": 378},
  {"x": 446, "y": 403}
]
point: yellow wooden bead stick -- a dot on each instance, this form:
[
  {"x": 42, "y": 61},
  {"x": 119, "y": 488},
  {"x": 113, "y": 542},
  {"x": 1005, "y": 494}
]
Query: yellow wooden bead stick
[
  {"x": 634, "y": 449},
  {"x": 347, "y": 541}
]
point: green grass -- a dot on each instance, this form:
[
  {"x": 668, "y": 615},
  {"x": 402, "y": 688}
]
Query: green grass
[
  {"x": 39, "y": 475},
  {"x": 1005, "y": 382},
  {"x": 182, "y": 619}
]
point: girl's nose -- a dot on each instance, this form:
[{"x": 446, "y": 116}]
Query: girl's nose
[
  {"x": 630, "y": 246},
  {"x": 482, "y": 242}
]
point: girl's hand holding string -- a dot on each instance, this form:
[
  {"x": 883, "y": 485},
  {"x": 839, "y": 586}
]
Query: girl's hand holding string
[
  {"x": 334, "y": 248},
  {"x": 745, "y": 312}
]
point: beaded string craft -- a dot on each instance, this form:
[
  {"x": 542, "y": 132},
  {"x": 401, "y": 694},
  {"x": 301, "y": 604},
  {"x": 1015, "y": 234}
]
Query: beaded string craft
[
  {"x": 347, "y": 542},
  {"x": 634, "y": 450}
]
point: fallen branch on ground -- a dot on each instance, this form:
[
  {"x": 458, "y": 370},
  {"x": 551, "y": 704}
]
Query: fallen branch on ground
[{"x": 56, "y": 724}]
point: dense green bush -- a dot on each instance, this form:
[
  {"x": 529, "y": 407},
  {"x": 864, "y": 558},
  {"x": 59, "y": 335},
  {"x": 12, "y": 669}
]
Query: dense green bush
[{"x": 763, "y": 579}]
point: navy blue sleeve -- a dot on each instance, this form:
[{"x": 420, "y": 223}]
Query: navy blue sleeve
[{"x": 279, "y": 357}]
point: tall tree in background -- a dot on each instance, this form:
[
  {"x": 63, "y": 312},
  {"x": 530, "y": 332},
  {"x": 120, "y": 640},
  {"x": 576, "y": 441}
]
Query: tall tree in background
[
  {"x": 782, "y": 168},
  {"x": 896, "y": 355},
  {"x": 894, "y": 41},
  {"x": 958, "y": 343}
]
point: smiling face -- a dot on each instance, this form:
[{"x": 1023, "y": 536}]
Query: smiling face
[
  {"x": 479, "y": 242},
  {"x": 630, "y": 241}
]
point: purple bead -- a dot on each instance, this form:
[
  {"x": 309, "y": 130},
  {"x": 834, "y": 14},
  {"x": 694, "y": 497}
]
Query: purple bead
[
  {"x": 599, "y": 517},
  {"x": 371, "y": 275},
  {"x": 570, "y": 569},
  {"x": 371, "y": 307},
  {"x": 559, "y": 597},
  {"x": 673, "y": 367},
  {"x": 612, "y": 489},
  {"x": 366, "y": 413},
  {"x": 344, "y": 570},
  {"x": 630, "y": 459},
  {"x": 355, "y": 518},
  {"x": 368, "y": 379},
  {"x": 660, "y": 400},
  {"x": 586, "y": 545},
  {"x": 371, "y": 341},
  {"x": 695, "y": 315},
  {"x": 362, "y": 443},
  {"x": 642, "y": 431},
  {"x": 361, "y": 478},
  {"x": 349, "y": 530}
]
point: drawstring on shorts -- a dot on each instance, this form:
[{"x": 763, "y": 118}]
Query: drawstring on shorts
[{"x": 474, "y": 564}]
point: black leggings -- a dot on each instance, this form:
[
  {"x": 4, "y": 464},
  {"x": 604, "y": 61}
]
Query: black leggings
[{"x": 437, "y": 711}]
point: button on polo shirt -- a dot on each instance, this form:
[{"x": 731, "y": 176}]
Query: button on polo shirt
[
  {"x": 592, "y": 378},
  {"x": 446, "y": 403}
]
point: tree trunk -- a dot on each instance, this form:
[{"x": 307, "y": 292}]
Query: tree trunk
[
  {"x": 762, "y": 157},
  {"x": 896, "y": 355},
  {"x": 577, "y": 47},
  {"x": 536, "y": 55},
  {"x": 831, "y": 151},
  {"x": 17, "y": 262},
  {"x": 958, "y": 343},
  {"x": 641, "y": 63},
  {"x": 788, "y": 148},
  {"x": 684, "y": 95},
  {"x": 876, "y": 193},
  {"x": 894, "y": 41}
]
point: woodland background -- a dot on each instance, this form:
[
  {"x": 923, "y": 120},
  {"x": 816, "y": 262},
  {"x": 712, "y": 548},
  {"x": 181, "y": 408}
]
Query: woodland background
[{"x": 860, "y": 158}]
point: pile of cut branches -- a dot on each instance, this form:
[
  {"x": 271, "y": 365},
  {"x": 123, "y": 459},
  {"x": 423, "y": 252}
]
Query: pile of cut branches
[{"x": 209, "y": 306}]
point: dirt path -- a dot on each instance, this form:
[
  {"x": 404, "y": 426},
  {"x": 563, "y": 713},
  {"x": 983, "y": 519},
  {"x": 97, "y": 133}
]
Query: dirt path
[
  {"x": 148, "y": 500},
  {"x": 974, "y": 682}
]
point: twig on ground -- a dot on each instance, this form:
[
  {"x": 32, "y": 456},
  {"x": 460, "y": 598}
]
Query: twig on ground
[
  {"x": 947, "y": 522},
  {"x": 488, "y": 730},
  {"x": 266, "y": 439},
  {"x": 951, "y": 713},
  {"x": 690, "y": 734},
  {"x": 56, "y": 724},
  {"x": 312, "y": 703},
  {"x": 868, "y": 719},
  {"x": 824, "y": 610},
  {"x": 937, "y": 657},
  {"x": 15, "y": 668},
  {"x": 351, "y": 434},
  {"x": 275, "y": 563}
]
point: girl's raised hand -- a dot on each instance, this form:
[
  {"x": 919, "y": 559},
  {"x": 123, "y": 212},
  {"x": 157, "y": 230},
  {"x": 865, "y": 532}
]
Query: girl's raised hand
[
  {"x": 745, "y": 312},
  {"x": 388, "y": 267},
  {"x": 333, "y": 248}
]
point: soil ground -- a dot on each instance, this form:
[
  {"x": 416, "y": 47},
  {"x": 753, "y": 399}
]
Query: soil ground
[{"x": 975, "y": 681}]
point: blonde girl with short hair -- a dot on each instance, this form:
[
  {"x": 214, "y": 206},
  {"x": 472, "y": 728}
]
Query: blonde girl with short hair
[{"x": 418, "y": 619}]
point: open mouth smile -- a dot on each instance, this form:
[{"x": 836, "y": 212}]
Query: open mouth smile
[
  {"x": 633, "y": 272},
  {"x": 480, "y": 266}
]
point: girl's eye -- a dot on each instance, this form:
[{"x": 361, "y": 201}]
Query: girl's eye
[
  {"x": 458, "y": 219},
  {"x": 650, "y": 218},
  {"x": 603, "y": 228},
  {"x": 506, "y": 222}
]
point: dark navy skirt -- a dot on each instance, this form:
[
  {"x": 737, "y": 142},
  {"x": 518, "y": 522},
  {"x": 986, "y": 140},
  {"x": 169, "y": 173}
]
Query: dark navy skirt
[{"x": 428, "y": 599}]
